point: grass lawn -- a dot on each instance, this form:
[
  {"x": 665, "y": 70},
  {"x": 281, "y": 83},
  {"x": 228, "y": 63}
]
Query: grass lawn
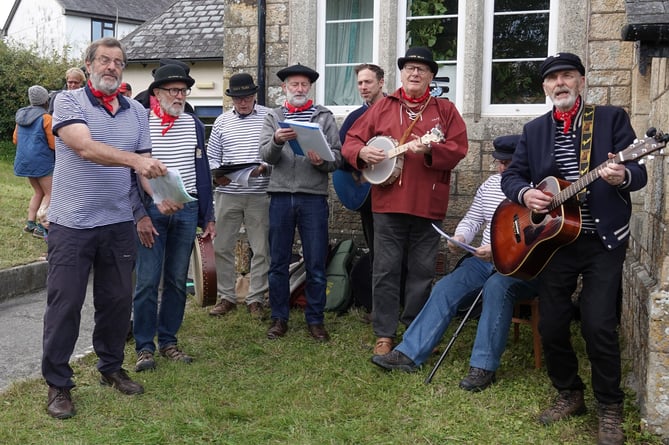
[{"x": 245, "y": 389}]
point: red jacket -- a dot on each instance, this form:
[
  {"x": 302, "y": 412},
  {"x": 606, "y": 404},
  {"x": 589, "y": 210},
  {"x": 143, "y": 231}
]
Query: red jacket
[{"x": 423, "y": 186}]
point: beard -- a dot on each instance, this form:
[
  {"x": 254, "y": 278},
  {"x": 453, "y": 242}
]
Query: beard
[
  {"x": 564, "y": 103},
  {"x": 104, "y": 84},
  {"x": 296, "y": 100},
  {"x": 171, "y": 108}
]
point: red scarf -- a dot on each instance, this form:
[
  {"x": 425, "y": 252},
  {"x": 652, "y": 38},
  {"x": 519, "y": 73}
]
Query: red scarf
[
  {"x": 293, "y": 109},
  {"x": 567, "y": 116},
  {"x": 416, "y": 100},
  {"x": 166, "y": 119},
  {"x": 106, "y": 99}
]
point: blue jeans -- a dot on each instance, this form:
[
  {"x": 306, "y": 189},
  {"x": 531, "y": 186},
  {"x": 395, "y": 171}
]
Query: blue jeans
[
  {"x": 169, "y": 257},
  {"x": 309, "y": 213},
  {"x": 459, "y": 289}
]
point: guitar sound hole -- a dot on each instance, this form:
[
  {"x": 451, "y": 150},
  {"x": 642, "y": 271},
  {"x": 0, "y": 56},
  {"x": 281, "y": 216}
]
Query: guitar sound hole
[{"x": 537, "y": 217}]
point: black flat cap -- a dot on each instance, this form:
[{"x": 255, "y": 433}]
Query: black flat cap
[
  {"x": 295, "y": 70},
  {"x": 561, "y": 62},
  {"x": 505, "y": 146}
]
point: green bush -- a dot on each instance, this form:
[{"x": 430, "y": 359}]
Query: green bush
[{"x": 21, "y": 68}]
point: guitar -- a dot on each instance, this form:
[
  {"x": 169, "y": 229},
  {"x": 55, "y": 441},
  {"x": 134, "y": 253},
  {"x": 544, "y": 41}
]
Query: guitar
[
  {"x": 352, "y": 190},
  {"x": 523, "y": 241},
  {"x": 388, "y": 170}
]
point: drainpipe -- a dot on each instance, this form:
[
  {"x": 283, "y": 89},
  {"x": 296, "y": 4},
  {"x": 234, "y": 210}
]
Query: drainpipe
[{"x": 261, "y": 51}]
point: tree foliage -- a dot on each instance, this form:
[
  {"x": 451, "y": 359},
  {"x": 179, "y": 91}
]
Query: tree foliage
[{"x": 20, "y": 68}]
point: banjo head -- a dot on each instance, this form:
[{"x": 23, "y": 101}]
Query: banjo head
[{"x": 379, "y": 174}]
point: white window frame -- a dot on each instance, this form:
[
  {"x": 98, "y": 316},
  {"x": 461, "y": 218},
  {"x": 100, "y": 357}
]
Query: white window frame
[
  {"x": 459, "y": 65},
  {"x": 321, "y": 7},
  {"x": 488, "y": 109}
]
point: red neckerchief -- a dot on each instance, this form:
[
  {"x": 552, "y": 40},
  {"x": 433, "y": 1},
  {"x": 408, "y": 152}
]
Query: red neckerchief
[
  {"x": 567, "y": 116},
  {"x": 293, "y": 109},
  {"x": 106, "y": 99},
  {"x": 414, "y": 100},
  {"x": 166, "y": 119}
]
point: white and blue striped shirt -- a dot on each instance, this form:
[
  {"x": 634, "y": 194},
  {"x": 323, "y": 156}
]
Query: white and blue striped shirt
[
  {"x": 176, "y": 148},
  {"x": 486, "y": 200}
]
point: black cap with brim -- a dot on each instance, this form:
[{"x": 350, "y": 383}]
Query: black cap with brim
[
  {"x": 298, "y": 70},
  {"x": 562, "y": 62},
  {"x": 419, "y": 54},
  {"x": 170, "y": 73},
  {"x": 505, "y": 146}
]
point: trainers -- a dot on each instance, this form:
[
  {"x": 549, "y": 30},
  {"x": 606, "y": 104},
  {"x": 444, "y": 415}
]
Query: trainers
[
  {"x": 567, "y": 403},
  {"x": 59, "y": 403},
  {"x": 39, "y": 232},
  {"x": 30, "y": 226},
  {"x": 120, "y": 381},
  {"x": 223, "y": 307},
  {"x": 175, "y": 354},
  {"x": 145, "y": 361},
  {"x": 610, "y": 424},
  {"x": 394, "y": 360},
  {"x": 477, "y": 380}
]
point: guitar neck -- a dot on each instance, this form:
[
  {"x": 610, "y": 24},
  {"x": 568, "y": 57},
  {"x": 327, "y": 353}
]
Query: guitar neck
[{"x": 400, "y": 149}]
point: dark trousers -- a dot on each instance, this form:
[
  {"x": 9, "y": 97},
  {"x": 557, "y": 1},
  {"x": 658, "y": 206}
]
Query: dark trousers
[
  {"x": 110, "y": 251},
  {"x": 601, "y": 271},
  {"x": 367, "y": 221},
  {"x": 393, "y": 233}
]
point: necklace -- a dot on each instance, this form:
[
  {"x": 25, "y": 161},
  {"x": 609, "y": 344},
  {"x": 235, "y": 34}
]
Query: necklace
[{"x": 413, "y": 114}]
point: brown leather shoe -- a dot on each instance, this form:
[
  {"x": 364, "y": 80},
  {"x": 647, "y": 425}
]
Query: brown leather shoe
[
  {"x": 121, "y": 382},
  {"x": 568, "y": 403},
  {"x": 59, "y": 403},
  {"x": 610, "y": 424},
  {"x": 256, "y": 310},
  {"x": 223, "y": 307},
  {"x": 277, "y": 329},
  {"x": 318, "y": 332}
]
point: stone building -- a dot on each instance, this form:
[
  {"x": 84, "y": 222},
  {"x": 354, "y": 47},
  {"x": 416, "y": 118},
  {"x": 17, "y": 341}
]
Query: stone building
[{"x": 491, "y": 58}]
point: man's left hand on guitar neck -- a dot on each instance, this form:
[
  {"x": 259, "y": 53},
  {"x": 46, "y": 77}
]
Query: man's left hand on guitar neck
[{"x": 612, "y": 173}]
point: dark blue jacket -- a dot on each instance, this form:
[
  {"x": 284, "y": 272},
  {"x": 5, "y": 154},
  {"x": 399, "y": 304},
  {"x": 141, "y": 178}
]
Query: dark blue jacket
[
  {"x": 203, "y": 183},
  {"x": 534, "y": 160}
]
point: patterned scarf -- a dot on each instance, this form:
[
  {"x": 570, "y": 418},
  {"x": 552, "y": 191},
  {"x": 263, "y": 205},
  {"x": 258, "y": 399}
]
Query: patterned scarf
[
  {"x": 166, "y": 119},
  {"x": 106, "y": 99},
  {"x": 567, "y": 116},
  {"x": 293, "y": 109},
  {"x": 414, "y": 100}
]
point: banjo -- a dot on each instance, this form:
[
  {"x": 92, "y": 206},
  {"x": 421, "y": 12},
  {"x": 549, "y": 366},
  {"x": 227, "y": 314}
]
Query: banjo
[
  {"x": 203, "y": 267},
  {"x": 388, "y": 170}
]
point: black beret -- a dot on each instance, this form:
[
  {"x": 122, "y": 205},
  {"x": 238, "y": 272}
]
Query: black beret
[
  {"x": 561, "y": 62},
  {"x": 505, "y": 146},
  {"x": 298, "y": 69}
]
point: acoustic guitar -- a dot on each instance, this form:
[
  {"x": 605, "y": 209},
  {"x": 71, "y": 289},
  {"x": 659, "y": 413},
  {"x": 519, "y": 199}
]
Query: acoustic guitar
[
  {"x": 388, "y": 170},
  {"x": 352, "y": 190},
  {"x": 523, "y": 241}
]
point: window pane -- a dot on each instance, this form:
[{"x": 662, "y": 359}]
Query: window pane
[
  {"x": 419, "y": 8},
  {"x": 516, "y": 83},
  {"x": 521, "y": 5},
  {"x": 96, "y": 30},
  {"x": 348, "y": 42},
  {"x": 440, "y": 35},
  {"x": 520, "y": 36},
  {"x": 349, "y": 10},
  {"x": 341, "y": 88}
]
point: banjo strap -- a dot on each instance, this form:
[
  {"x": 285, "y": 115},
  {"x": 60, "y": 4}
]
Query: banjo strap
[{"x": 406, "y": 134}]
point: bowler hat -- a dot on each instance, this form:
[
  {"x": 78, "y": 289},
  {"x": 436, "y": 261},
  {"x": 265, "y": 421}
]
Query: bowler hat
[
  {"x": 419, "y": 54},
  {"x": 561, "y": 62},
  {"x": 163, "y": 62},
  {"x": 297, "y": 70},
  {"x": 505, "y": 146},
  {"x": 170, "y": 73},
  {"x": 241, "y": 85}
]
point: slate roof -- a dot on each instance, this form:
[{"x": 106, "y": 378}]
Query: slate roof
[
  {"x": 129, "y": 10},
  {"x": 188, "y": 30}
]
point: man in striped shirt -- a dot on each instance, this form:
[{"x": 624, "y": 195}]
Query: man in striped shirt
[
  {"x": 298, "y": 191},
  {"x": 234, "y": 147},
  {"x": 167, "y": 230},
  {"x": 101, "y": 138},
  {"x": 459, "y": 289}
]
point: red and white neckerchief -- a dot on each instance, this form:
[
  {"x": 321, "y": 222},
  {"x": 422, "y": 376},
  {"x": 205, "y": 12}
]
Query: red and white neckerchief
[
  {"x": 294, "y": 109},
  {"x": 166, "y": 119},
  {"x": 106, "y": 99},
  {"x": 567, "y": 116}
]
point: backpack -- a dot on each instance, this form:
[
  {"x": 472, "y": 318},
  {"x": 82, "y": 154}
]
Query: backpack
[{"x": 338, "y": 288}]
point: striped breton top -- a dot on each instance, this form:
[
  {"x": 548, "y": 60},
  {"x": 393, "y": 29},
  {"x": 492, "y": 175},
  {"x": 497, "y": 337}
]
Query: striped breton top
[
  {"x": 86, "y": 194},
  {"x": 176, "y": 148},
  {"x": 234, "y": 140},
  {"x": 488, "y": 196}
]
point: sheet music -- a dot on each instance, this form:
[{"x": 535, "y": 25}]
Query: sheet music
[
  {"x": 170, "y": 186},
  {"x": 461, "y": 245},
  {"x": 309, "y": 137}
]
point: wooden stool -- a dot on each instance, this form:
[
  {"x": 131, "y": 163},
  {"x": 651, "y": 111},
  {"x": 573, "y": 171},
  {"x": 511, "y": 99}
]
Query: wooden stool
[{"x": 533, "y": 322}]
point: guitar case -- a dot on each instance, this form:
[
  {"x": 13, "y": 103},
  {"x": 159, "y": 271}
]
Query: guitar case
[
  {"x": 338, "y": 289},
  {"x": 361, "y": 282}
]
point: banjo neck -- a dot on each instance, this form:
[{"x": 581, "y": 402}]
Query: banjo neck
[{"x": 425, "y": 139}]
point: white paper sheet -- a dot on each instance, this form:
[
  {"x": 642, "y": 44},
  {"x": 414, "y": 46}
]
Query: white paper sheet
[
  {"x": 170, "y": 186},
  {"x": 461, "y": 245}
]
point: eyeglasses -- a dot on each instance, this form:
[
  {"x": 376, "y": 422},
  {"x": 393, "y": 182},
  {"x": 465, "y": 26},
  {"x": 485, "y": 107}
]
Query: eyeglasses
[
  {"x": 174, "y": 92},
  {"x": 240, "y": 99},
  {"x": 411, "y": 68},
  {"x": 104, "y": 60}
]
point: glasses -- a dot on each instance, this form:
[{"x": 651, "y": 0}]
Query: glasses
[
  {"x": 104, "y": 61},
  {"x": 411, "y": 68},
  {"x": 174, "y": 92},
  {"x": 243, "y": 99}
]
